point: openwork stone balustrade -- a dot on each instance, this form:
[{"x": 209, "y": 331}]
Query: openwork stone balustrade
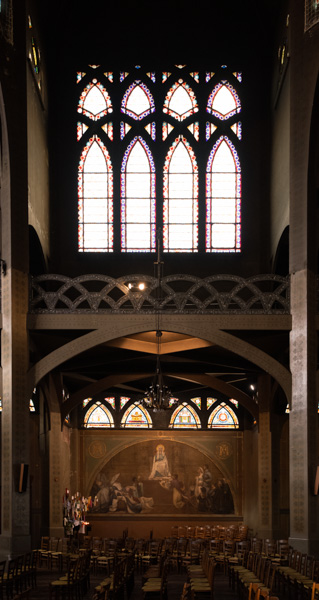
[{"x": 217, "y": 294}]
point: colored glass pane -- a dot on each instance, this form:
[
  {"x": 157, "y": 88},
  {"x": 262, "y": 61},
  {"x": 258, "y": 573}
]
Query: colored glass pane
[
  {"x": 224, "y": 101},
  {"x": 95, "y": 198},
  {"x": 197, "y": 401},
  {"x": 222, "y": 416},
  {"x": 180, "y": 214},
  {"x": 80, "y": 130},
  {"x": 138, "y": 101},
  {"x": 151, "y": 130},
  {"x": 194, "y": 129},
  {"x": 124, "y": 400},
  {"x": 138, "y": 198},
  {"x": 124, "y": 129},
  {"x": 180, "y": 101},
  {"x": 95, "y": 101},
  {"x": 136, "y": 416},
  {"x": 195, "y": 75},
  {"x": 79, "y": 76},
  {"x": 152, "y": 76},
  {"x": 234, "y": 402},
  {"x": 108, "y": 129},
  {"x": 109, "y": 76},
  {"x": 185, "y": 417},
  {"x": 208, "y": 76},
  {"x": 210, "y": 402},
  {"x": 86, "y": 401},
  {"x": 98, "y": 416},
  {"x": 31, "y": 405},
  {"x": 111, "y": 401},
  {"x": 210, "y": 128},
  {"x": 238, "y": 76},
  {"x": 166, "y": 130},
  {"x": 223, "y": 196},
  {"x": 165, "y": 76},
  {"x": 237, "y": 129},
  {"x": 123, "y": 75},
  {"x": 0, "y": 404}
]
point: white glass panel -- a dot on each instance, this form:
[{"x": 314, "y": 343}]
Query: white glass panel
[
  {"x": 138, "y": 161},
  {"x": 180, "y": 185},
  {"x": 180, "y": 101},
  {"x": 138, "y": 185},
  {"x": 224, "y": 211},
  {"x": 95, "y": 211},
  {"x": 138, "y": 236},
  {"x": 224, "y": 185},
  {"x": 138, "y": 211},
  {"x": 223, "y": 236},
  {"x": 138, "y": 101},
  {"x": 95, "y": 161},
  {"x": 180, "y": 236},
  {"x": 94, "y": 101},
  {"x": 95, "y": 236},
  {"x": 224, "y": 101},
  {"x": 181, "y": 211},
  {"x": 180, "y": 162},
  {"x": 95, "y": 185},
  {"x": 223, "y": 160}
]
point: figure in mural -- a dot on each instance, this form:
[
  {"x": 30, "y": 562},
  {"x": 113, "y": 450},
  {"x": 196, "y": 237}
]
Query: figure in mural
[
  {"x": 221, "y": 498},
  {"x": 103, "y": 496},
  {"x": 203, "y": 504},
  {"x": 160, "y": 468},
  {"x": 207, "y": 477},
  {"x": 199, "y": 481},
  {"x": 179, "y": 496}
]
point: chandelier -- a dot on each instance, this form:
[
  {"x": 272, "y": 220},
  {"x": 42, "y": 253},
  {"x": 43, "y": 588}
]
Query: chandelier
[{"x": 158, "y": 395}]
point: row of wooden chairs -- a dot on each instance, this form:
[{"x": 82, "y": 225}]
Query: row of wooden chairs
[
  {"x": 257, "y": 572},
  {"x": 76, "y": 582},
  {"x": 119, "y": 584},
  {"x": 18, "y": 575},
  {"x": 237, "y": 532},
  {"x": 200, "y": 577},
  {"x": 299, "y": 576}
]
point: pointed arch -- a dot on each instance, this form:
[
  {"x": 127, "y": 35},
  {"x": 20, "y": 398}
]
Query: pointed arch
[
  {"x": 224, "y": 101},
  {"x": 180, "y": 101},
  {"x": 95, "y": 101},
  {"x": 185, "y": 417},
  {"x": 138, "y": 101},
  {"x": 222, "y": 416},
  {"x": 180, "y": 191},
  {"x": 223, "y": 198},
  {"x": 95, "y": 198},
  {"x": 138, "y": 218},
  {"x": 97, "y": 415},
  {"x": 136, "y": 416}
]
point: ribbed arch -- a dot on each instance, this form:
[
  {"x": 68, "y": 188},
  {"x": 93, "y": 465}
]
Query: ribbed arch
[
  {"x": 95, "y": 101},
  {"x": 223, "y": 198},
  {"x": 138, "y": 198},
  {"x": 180, "y": 191},
  {"x": 95, "y": 198},
  {"x": 98, "y": 416},
  {"x": 185, "y": 417},
  {"x": 138, "y": 101}
]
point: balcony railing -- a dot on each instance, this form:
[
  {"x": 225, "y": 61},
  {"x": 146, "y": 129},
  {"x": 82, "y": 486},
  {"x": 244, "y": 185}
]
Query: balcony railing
[{"x": 180, "y": 294}]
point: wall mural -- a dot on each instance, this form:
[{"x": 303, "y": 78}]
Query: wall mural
[{"x": 161, "y": 478}]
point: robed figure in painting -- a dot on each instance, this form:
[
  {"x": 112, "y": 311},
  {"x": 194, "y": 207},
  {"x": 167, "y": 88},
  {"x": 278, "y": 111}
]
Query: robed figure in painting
[{"x": 160, "y": 468}]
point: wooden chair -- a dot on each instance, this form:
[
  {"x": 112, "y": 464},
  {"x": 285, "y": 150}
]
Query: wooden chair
[
  {"x": 2, "y": 572},
  {"x": 66, "y": 585}
]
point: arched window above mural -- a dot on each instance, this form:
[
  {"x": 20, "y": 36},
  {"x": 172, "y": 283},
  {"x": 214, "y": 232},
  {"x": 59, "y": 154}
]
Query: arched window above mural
[
  {"x": 223, "y": 417},
  {"x": 185, "y": 417},
  {"x": 136, "y": 416},
  {"x": 98, "y": 416}
]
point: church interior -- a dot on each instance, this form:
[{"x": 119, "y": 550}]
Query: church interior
[{"x": 159, "y": 177}]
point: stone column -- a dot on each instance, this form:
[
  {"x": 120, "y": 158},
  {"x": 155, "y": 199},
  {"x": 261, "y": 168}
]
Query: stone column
[
  {"x": 264, "y": 460},
  {"x": 58, "y": 459}
]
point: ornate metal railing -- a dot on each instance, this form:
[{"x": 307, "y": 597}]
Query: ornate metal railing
[{"x": 261, "y": 294}]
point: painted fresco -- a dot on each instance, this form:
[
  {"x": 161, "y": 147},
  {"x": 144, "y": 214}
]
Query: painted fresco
[{"x": 161, "y": 478}]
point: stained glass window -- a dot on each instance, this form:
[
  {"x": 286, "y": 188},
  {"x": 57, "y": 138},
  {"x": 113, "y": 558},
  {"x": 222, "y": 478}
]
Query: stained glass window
[
  {"x": 136, "y": 416},
  {"x": 124, "y": 400},
  {"x": 223, "y": 417},
  {"x": 210, "y": 402},
  {"x": 138, "y": 198},
  {"x": 86, "y": 401},
  {"x": 111, "y": 401},
  {"x": 180, "y": 101},
  {"x": 223, "y": 194},
  {"x": 224, "y": 101},
  {"x": 94, "y": 101},
  {"x": 98, "y": 416},
  {"x": 95, "y": 198},
  {"x": 138, "y": 102},
  {"x": 197, "y": 401},
  {"x": 180, "y": 190},
  {"x": 185, "y": 417},
  {"x": 31, "y": 405}
]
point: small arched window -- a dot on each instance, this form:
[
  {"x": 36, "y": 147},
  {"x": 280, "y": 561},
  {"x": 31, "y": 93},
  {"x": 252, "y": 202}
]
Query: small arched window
[
  {"x": 180, "y": 101},
  {"x": 138, "y": 101},
  {"x": 185, "y": 417},
  {"x": 180, "y": 189},
  {"x": 136, "y": 416},
  {"x": 223, "y": 196},
  {"x": 138, "y": 198},
  {"x": 95, "y": 198},
  {"x": 224, "y": 101},
  {"x": 98, "y": 416},
  {"x": 223, "y": 417},
  {"x": 94, "y": 101}
]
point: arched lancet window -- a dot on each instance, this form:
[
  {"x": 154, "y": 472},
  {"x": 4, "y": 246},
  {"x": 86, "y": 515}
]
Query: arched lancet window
[
  {"x": 180, "y": 101},
  {"x": 138, "y": 101},
  {"x": 223, "y": 417},
  {"x": 223, "y": 198},
  {"x": 185, "y": 417},
  {"x": 224, "y": 101},
  {"x": 94, "y": 101},
  {"x": 95, "y": 198},
  {"x": 98, "y": 416},
  {"x": 136, "y": 416},
  {"x": 138, "y": 198},
  {"x": 180, "y": 190}
]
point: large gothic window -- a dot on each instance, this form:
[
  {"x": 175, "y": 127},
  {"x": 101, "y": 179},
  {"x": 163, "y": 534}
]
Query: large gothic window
[{"x": 159, "y": 151}]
